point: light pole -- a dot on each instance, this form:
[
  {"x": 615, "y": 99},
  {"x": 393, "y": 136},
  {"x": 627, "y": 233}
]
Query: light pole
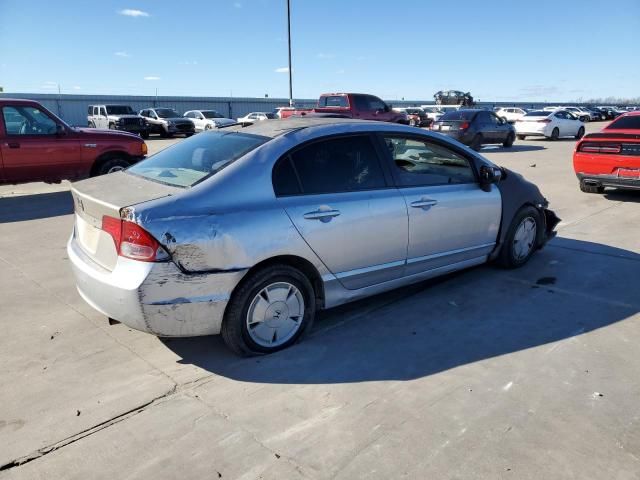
[{"x": 289, "y": 45}]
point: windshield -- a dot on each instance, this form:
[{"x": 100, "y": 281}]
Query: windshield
[
  {"x": 191, "y": 161},
  {"x": 211, "y": 114},
  {"x": 167, "y": 113},
  {"x": 119, "y": 110}
]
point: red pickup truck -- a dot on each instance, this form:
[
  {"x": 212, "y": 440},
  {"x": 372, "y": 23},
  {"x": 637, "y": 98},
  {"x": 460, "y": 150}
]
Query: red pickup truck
[
  {"x": 352, "y": 105},
  {"x": 37, "y": 146}
]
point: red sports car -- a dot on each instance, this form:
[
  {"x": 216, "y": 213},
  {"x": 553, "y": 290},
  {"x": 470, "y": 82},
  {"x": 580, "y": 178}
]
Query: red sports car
[{"x": 610, "y": 158}]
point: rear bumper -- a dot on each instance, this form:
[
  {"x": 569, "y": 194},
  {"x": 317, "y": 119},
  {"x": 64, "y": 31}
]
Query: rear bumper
[
  {"x": 155, "y": 298},
  {"x": 610, "y": 181}
]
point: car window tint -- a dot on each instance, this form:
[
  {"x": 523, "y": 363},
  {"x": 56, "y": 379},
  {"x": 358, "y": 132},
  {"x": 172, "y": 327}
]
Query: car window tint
[
  {"x": 334, "y": 101},
  {"x": 376, "y": 104},
  {"x": 459, "y": 115},
  {"x": 630, "y": 122},
  {"x": 338, "y": 165},
  {"x": 285, "y": 181},
  {"x": 24, "y": 120},
  {"x": 361, "y": 103},
  {"x": 420, "y": 162}
]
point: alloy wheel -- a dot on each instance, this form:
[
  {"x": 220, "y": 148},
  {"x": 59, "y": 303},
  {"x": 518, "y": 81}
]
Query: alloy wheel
[{"x": 524, "y": 238}]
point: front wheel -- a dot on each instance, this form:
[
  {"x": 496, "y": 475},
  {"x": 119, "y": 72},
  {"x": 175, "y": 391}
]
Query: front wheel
[
  {"x": 555, "y": 134},
  {"x": 580, "y": 133},
  {"x": 523, "y": 237},
  {"x": 521, "y": 137},
  {"x": 508, "y": 143},
  {"x": 112, "y": 165},
  {"x": 270, "y": 310}
]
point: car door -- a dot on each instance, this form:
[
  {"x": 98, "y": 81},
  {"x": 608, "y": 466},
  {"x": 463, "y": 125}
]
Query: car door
[
  {"x": 33, "y": 150},
  {"x": 564, "y": 123},
  {"x": 500, "y": 128},
  {"x": 485, "y": 126},
  {"x": 102, "y": 121},
  {"x": 344, "y": 206},
  {"x": 452, "y": 221}
]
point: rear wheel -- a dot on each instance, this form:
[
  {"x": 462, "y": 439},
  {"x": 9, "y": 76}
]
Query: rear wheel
[
  {"x": 145, "y": 135},
  {"x": 590, "y": 188},
  {"x": 270, "y": 310},
  {"x": 521, "y": 137},
  {"x": 509, "y": 141},
  {"x": 112, "y": 165},
  {"x": 523, "y": 237},
  {"x": 112, "y": 126},
  {"x": 580, "y": 133},
  {"x": 555, "y": 134},
  {"x": 476, "y": 143}
]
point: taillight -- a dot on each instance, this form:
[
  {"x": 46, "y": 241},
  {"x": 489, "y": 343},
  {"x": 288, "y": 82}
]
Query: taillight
[
  {"x": 464, "y": 126},
  {"x": 544, "y": 120},
  {"x": 595, "y": 148},
  {"x": 132, "y": 241}
]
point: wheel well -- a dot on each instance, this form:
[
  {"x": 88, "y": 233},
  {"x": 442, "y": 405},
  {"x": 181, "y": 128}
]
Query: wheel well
[
  {"x": 305, "y": 266},
  {"x": 108, "y": 156}
]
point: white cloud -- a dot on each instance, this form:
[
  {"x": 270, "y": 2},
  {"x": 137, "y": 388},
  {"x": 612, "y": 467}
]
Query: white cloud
[
  {"x": 76, "y": 87},
  {"x": 122, "y": 54},
  {"x": 130, "y": 12},
  {"x": 282, "y": 70},
  {"x": 151, "y": 77},
  {"x": 325, "y": 56},
  {"x": 237, "y": 4}
]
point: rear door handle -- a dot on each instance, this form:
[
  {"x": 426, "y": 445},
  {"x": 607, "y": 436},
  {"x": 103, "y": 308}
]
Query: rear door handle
[
  {"x": 424, "y": 203},
  {"x": 13, "y": 144},
  {"x": 322, "y": 215}
]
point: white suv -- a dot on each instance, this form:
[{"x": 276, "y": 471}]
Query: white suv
[
  {"x": 117, "y": 117},
  {"x": 511, "y": 114}
]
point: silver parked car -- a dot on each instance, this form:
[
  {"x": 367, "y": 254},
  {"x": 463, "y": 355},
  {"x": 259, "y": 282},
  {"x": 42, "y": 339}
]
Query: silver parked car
[{"x": 248, "y": 232}]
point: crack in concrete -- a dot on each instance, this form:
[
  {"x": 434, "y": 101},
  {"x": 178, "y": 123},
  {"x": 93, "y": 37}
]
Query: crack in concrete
[{"x": 41, "y": 452}]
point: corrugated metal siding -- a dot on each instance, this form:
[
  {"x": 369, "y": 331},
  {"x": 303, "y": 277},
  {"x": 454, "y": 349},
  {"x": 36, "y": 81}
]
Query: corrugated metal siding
[{"x": 73, "y": 108}]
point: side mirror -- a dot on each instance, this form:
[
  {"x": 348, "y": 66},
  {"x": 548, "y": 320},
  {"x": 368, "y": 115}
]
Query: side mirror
[
  {"x": 60, "y": 130},
  {"x": 488, "y": 176}
]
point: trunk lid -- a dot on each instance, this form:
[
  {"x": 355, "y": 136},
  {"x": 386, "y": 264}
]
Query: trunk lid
[{"x": 106, "y": 196}]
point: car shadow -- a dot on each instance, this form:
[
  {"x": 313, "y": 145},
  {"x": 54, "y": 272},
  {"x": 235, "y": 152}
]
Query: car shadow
[
  {"x": 442, "y": 324},
  {"x": 20, "y": 208},
  {"x": 620, "y": 195},
  {"x": 513, "y": 149}
]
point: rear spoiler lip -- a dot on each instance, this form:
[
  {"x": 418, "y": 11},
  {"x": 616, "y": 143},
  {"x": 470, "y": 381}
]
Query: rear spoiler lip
[{"x": 604, "y": 136}]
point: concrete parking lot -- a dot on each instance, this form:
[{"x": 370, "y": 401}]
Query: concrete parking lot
[{"x": 485, "y": 374}]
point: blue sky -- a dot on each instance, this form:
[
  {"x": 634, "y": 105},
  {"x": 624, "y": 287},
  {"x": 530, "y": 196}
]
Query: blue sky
[{"x": 499, "y": 50}]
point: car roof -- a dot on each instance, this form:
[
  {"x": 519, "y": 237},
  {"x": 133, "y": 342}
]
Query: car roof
[
  {"x": 17, "y": 100},
  {"x": 275, "y": 128}
]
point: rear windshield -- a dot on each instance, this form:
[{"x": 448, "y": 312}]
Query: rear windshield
[
  {"x": 333, "y": 101},
  {"x": 537, "y": 113},
  {"x": 119, "y": 110},
  {"x": 632, "y": 122},
  {"x": 192, "y": 160},
  {"x": 462, "y": 115}
]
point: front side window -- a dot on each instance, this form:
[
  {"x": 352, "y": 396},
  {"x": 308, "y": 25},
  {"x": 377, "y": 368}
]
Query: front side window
[
  {"x": 212, "y": 114},
  {"x": 337, "y": 165},
  {"x": 422, "y": 162},
  {"x": 103, "y": 112},
  {"x": 25, "y": 120},
  {"x": 187, "y": 163},
  {"x": 119, "y": 110},
  {"x": 167, "y": 113},
  {"x": 376, "y": 104}
]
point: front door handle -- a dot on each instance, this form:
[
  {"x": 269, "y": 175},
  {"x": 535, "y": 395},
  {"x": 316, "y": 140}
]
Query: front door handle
[
  {"x": 324, "y": 215},
  {"x": 13, "y": 144},
  {"x": 424, "y": 203}
]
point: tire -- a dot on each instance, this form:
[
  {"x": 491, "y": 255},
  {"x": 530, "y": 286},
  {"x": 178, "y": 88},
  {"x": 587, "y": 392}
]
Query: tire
[
  {"x": 512, "y": 253},
  {"x": 476, "y": 143},
  {"x": 243, "y": 307},
  {"x": 112, "y": 126},
  {"x": 92, "y": 125},
  {"x": 209, "y": 127},
  {"x": 580, "y": 133},
  {"x": 112, "y": 165},
  {"x": 508, "y": 143},
  {"x": 555, "y": 134},
  {"x": 521, "y": 137},
  {"x": 145, "y": 135},
  {"x": 187, "y": 135},
  {"x": 590, "y": 188}
]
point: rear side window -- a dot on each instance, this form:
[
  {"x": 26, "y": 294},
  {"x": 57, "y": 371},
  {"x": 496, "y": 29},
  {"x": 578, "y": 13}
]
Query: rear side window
[
  {"x": 334, "y": 101},
  {"x": 190, "y": 161},
  {"x": 285, "y": 181},
  {"x": 631, "y": 122},
  {"x": 334, "y": 165}
]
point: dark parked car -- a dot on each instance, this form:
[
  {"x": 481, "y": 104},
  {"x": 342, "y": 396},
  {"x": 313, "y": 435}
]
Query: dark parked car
[{"x": 475, "y": 128}]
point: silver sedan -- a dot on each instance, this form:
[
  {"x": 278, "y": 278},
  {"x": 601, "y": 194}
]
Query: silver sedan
[{"x": 248, "y": 232}]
